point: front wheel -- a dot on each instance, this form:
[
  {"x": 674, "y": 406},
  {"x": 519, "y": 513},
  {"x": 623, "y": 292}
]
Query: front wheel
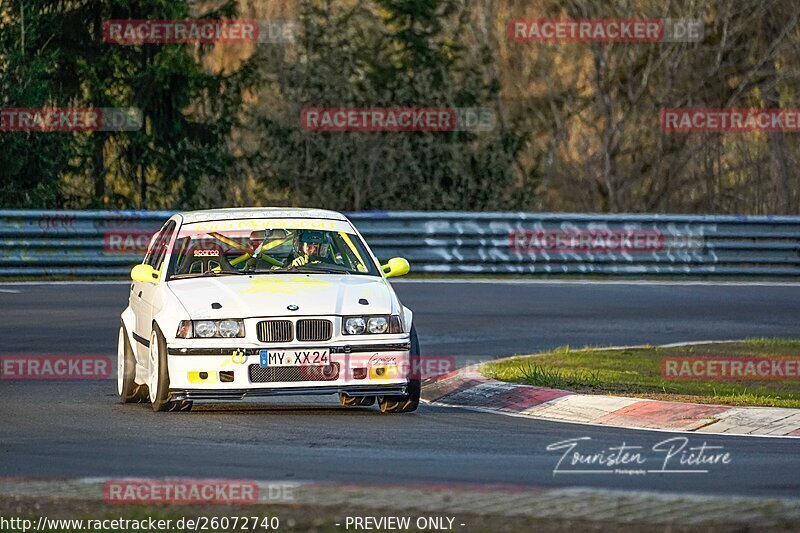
[
  {"x": 408, "y": 402},
  {"x": 158, "y": 382}
]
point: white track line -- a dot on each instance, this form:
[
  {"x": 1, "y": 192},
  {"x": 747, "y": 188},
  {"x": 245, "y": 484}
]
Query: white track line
[{"x": 697, "y": 434}]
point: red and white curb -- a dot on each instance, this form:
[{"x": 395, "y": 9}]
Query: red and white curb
[{"x": 469, "y": 389}]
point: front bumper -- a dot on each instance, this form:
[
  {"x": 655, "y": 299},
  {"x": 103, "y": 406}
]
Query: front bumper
[
  {"x": 234, "y": 373},
  {"x": 241, "y": 394}
]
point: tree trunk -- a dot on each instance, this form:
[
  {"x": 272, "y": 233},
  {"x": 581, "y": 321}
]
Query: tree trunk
[
  {"x": 99, "y": 171},
  {"x": 776, "y": 140}
]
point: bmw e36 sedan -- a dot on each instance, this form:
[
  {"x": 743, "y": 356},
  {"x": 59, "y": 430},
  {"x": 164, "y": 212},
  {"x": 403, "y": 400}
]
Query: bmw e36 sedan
[{"x": 230, "y": 304}]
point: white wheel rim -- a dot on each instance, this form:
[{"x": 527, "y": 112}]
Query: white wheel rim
[
  {"x": 120, "y": 361},
  {"x": 153, "y": 354}
]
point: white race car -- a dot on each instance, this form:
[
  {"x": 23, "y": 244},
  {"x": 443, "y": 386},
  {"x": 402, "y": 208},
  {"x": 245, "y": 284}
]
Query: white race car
[{"x": 231, "y": 304}]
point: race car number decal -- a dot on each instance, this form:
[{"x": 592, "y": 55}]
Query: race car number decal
[{"x": 294, "y": 357}]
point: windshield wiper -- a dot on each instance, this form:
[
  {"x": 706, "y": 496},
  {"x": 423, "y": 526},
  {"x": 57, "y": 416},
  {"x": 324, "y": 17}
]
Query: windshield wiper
[{"x": 221, "y": 272}]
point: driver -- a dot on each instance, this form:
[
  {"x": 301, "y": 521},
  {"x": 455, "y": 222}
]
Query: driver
[{"x": 310, "y": 247}]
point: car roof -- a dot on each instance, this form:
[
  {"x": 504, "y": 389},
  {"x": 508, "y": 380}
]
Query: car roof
[{"x": 259, "y": 212}]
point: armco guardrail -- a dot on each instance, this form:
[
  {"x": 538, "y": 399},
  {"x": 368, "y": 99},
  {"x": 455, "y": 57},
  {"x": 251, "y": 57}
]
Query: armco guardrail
[{"x": 100, "y": 243}]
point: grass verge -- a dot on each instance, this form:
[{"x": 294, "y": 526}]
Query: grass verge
[{"x": 637, "y": 373}]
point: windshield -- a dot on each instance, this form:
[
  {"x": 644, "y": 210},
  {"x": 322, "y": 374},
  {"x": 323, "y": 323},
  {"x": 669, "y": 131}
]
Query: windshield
[{"x": 267, "y": 247}]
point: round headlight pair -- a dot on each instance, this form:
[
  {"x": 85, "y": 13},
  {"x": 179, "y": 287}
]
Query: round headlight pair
[
  {"x": 357, "y": 325},
  {"x": 213, "y": 328}
]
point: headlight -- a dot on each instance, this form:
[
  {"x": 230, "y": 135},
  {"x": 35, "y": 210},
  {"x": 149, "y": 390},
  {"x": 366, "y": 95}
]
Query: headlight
[
  {"x": 358, "y": 325},
  {"x": 377, "y": 324},
  {"x": 228, "y": 328},
  {"x": 354, "y": 325},
  {"x": 207, "y": 329}
]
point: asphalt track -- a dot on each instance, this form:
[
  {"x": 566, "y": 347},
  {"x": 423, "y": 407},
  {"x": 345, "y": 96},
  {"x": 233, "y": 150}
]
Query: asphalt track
[{"x": 54, "y": 429}]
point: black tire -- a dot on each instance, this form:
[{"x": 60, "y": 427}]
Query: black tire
[
  {"x": 129, "y": 391},
  {"x": 162, "y": 401},
  {"x": 408, "y": 402},
  {"x": 356, "y": 401}
]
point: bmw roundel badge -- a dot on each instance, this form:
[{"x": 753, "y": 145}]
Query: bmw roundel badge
[{"x": 292, "y": 307}]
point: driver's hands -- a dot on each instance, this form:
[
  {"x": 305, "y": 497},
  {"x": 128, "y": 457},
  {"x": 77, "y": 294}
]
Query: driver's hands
[{"x": 300, "y": 261}]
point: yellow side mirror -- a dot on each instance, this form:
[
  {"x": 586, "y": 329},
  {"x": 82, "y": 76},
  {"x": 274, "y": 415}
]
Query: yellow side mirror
[
  {"x": 144, "y": 273},
  {"x": 397, "y": 266}
]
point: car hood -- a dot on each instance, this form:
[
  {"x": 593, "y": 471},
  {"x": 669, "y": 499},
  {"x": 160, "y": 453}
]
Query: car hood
[{"x": 271, "y": 294}]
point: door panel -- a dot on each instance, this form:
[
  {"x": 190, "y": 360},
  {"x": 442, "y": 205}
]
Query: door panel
[
  {"x": 139, "y": 294},
  {"x": 151, "y": 291}
]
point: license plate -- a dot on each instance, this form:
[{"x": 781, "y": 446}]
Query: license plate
[{"x": 294, "y": 357}]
